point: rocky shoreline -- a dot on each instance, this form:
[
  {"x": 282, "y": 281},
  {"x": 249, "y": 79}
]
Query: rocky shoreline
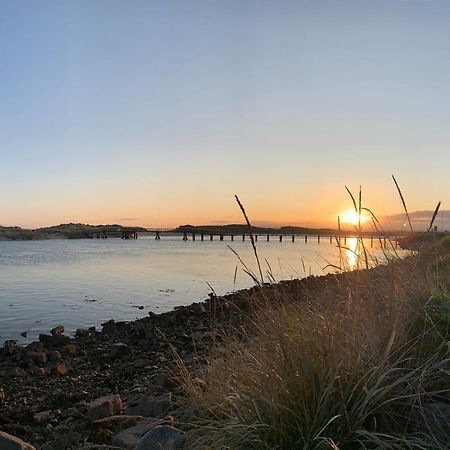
[{"x": 108, "y": 388}]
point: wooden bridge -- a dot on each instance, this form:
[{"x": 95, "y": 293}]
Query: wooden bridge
[{"x": 341, "y": 239}]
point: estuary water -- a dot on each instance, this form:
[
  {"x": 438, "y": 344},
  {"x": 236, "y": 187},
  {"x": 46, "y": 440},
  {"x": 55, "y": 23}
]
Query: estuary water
[{"x": 82, "y": 283}]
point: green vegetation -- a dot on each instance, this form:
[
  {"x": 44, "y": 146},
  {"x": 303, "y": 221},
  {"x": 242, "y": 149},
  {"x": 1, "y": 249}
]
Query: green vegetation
[{"x": 68, "y": 231}]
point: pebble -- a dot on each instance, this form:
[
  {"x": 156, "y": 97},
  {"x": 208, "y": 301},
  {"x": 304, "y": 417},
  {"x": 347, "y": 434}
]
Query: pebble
[
  {"x": 42, "y": 416},
  {"x": 140, "y": 363},
  {"x": 62, "y": 368},
  {"x": 118, "y": 350}
]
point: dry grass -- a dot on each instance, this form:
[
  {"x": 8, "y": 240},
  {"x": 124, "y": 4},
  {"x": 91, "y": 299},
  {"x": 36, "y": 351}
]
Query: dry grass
[{"x": 361, "y": 361}]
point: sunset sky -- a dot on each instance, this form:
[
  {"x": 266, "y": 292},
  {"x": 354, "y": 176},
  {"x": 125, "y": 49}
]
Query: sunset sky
[{"x": 156, "y": 113}]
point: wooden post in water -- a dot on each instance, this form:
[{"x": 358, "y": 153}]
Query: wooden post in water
[
  {"x": 281, "y": 238},
  {"x": 331, "y": 239},
  {"x": 157, "y": 236},
  {"x": 306, "y": 238},
  {"x": 268, "y": 237},
  {"x": 243, "y": 237},
  {"x": 211, "y": 237},
  {"x": 221, "y": 237},
  {"x": 293, "y": 238},
  {"x": 232, "y": 237},
  {"x": 256, "y": 238},
  {"x": 345, "y": 240},
  {"x": 193, "y": 236},
  {"x": 202, "y": 237},
  {"x": 371, "y": 241},
  {"x": 185, "y": 238},
  {"x": 318, "y": 238}
]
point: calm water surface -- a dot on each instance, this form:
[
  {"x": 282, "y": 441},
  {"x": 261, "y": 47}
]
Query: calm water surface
[{"x": 82, "y": 283}]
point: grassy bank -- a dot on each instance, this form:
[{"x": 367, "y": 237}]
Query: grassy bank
[{"x": 360, "y": 362}]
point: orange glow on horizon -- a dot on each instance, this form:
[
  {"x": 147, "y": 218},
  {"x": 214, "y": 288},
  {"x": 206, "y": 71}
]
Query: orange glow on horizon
[{"x": 353, "y": 218}]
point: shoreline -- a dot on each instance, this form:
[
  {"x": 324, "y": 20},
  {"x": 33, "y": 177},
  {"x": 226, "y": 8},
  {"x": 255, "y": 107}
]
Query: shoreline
[{"x": 47, "y": 386}]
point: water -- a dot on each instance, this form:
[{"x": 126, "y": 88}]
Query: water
[{"x": 82, "y": 283}]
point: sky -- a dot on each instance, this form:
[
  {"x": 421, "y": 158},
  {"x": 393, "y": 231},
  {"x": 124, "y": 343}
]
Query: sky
[{"x": 155, "y": 113}]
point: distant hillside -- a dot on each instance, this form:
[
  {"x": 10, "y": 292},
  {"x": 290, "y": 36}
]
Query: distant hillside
[
  {"x": 68, "y": 231},
  {"x": 19, "y": 234},
  {"x": 242, "y": 228},
  {"x": 80, "y": 230}
]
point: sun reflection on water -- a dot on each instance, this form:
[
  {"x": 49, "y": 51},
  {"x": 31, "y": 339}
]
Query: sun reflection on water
[{"x": 352, "y": 253}]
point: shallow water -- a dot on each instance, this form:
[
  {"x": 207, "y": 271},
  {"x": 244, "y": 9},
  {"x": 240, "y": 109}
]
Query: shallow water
[{"x": 82, "y": 283}]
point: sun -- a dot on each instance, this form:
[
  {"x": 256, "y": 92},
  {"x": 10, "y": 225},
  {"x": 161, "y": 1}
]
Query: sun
[{"x": 353, "y": 218}]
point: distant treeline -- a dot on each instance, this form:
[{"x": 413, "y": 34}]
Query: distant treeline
[
  {"x": 237, "y": 229},
  {"x": 243, "y": 228},
  {"x": 68, "y": 231}
]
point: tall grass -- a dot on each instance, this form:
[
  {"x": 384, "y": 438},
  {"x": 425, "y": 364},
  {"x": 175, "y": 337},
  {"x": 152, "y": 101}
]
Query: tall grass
[{"x": 357, "y": 360}]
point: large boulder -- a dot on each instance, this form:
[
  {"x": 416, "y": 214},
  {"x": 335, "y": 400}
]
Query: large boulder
[
  {"x": 107, "y": 406},
  {"x": 163, "y": 437},
  {"x": 9, "y": 442}
]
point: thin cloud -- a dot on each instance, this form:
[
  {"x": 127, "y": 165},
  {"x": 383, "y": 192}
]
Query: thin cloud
[{"x": 420, "y": 219}]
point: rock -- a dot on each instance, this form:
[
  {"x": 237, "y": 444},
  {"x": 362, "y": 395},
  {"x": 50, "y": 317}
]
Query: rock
[
  {"x": 129, "y": 437},
  {"x": 165, "y": 381},
  {"x": 70, "y": 349},
  {"x": 63, "y": 437},
  {"x": 42, "y": 416},
  {"x": 2, "y": 395},
  {"x": 141, "y": 363},
  {"x": 150, "y": 406},
  {"x": 9, "y": 442},
  {"x": 40, "y": 371},
  {"x": 55, "y": 340},
  {"x": 24, "y": 333},
  {"x": 17, "y": 372},
  {"x": 81, "y": 332},
  {"x": 62, "y": 368},
  {"x": 163, "y": 437},
  {"x": 35, "y": 347},
  {"x": 53, "y": 356},
  {"x": 10, "y": 346},
  {"x": 57, "y": 330},
  {"x": 109, "y": 327},
  {"x": 118, "y": 350},
  {"x": 38, "y": 357},
  {"x": 105, "y": 407}
]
